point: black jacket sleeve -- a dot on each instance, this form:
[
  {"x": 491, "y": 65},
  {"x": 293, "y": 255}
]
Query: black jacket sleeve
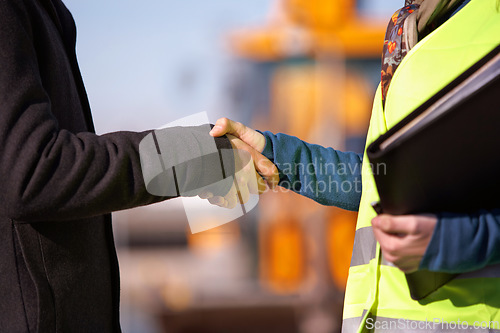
[{"x": 49, "y": 172}]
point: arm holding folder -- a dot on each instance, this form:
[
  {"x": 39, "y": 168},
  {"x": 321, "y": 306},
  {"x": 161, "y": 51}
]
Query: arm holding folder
[{"x": 443, "y": 157}]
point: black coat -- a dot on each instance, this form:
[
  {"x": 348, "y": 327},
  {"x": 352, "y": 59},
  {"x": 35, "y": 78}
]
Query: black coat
[{"x": 59, "y": 181}]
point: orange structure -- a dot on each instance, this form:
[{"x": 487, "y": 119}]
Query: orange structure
[
  {"x": 310, "y": 27},
  {"x": 320, "y": 100}
]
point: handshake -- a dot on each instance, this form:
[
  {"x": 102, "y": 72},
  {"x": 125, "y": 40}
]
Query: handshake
[
  {"x": 255, "y": 173},
  {"x": 184, "y": 161}
]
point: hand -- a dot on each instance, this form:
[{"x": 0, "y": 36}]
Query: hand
[
  {"x": 251, "y": 137},
  {"x": 247, "y": 180},
  {"x": 404, "y": 239}
]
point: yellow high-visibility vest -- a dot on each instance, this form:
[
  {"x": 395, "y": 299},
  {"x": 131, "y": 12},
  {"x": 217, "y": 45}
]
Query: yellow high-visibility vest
[{"x": 377, "y": 296}]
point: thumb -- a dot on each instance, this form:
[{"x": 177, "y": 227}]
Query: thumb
[
  {"x": 221, "y": 127},
  {"x": 392, "y": 225},
  {"x": 251, "y": 137}
]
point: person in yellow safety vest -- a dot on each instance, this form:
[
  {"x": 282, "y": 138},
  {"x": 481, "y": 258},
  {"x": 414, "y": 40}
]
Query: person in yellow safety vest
[{"x": 428, "y": 44}]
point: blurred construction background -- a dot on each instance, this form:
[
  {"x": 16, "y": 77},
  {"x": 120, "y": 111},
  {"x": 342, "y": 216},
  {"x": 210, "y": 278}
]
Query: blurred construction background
[{"x": 305, "y": 68}]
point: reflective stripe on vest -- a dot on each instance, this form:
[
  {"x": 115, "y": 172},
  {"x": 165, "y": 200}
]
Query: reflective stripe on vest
[
  {"x": 365, "y": 247},
  {"x": 380, "y": 289}
]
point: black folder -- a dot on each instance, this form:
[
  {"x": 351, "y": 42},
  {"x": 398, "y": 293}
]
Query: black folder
[{"x": 444, "y": 156}]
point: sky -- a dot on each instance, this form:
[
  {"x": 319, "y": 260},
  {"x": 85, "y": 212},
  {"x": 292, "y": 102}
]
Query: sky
[{"x": 146, "y": 63}]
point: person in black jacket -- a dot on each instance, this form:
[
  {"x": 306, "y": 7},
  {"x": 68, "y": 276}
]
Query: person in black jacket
[{"x": 59, "y": 181}]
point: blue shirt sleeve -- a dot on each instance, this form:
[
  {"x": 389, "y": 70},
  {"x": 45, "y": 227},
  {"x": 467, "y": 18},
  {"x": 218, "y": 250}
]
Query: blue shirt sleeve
[
  {"x": 460, "y": 243},
  {"x": 463, "y": 243},
  {"x": 327, "y": 176}
]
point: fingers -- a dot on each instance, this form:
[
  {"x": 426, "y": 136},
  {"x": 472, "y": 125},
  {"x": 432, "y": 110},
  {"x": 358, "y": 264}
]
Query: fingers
[
  {"x": 404, "y": 239},
  {"x": 390, "y": 243},
  {"x": 393, "y": 249},
  {"x": 228, "y": 201},
  {"x": 243, "y": 190},
  {"x": 249, "y": 164},
  {"x": 251, "y": 137},
  {"x": 205, "y": 195},
  {"x": 248, "y": 139},
  {"x": 231, "y": 198},
  {"x": 391, "y": 238},
  {"x": 237, "y": 194},
  {"x": 263, "y": 166},
  {"x": 246, "y": 179},
  {"x": 267, "y": 169},
  {"x": 248, "y": 176},
  {"x": 394, "y": 224},
  {"x": 217, "y": 201},
  {"x": 259, "y": 186}
]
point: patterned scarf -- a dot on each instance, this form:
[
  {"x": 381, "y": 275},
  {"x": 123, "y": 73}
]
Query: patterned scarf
[{"x": 416, "y": 18}]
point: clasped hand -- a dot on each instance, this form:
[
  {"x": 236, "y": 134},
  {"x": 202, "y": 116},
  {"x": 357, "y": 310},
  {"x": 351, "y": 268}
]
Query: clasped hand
[
  {"x": 255, "y": 173},
  {"x": 404, "y": 239}
]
